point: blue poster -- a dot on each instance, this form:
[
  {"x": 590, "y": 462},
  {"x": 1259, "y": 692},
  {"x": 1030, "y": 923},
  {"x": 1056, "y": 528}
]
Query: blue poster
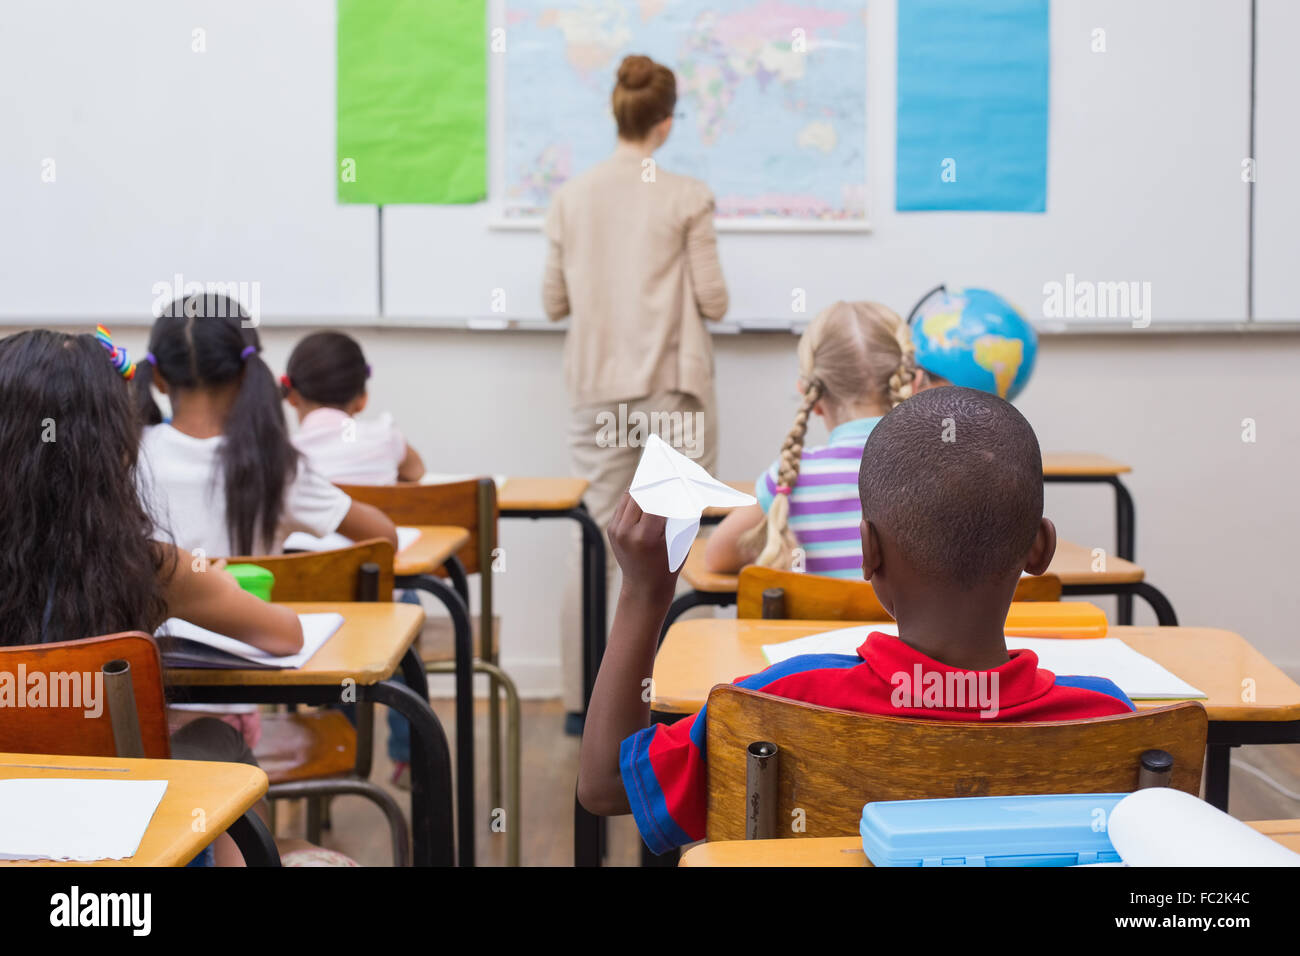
[{"x": 972, "y": 105}]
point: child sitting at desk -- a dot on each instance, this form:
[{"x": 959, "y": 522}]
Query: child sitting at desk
[
  {"x": 855, "y": 364},
  {"x": 951, "y": 487},
  {"x": 77, "y": 559},
  {"x": 325, "y": 382}
]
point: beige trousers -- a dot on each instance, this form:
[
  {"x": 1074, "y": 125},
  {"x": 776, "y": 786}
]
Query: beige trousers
[{"x": 605, "y": 443}]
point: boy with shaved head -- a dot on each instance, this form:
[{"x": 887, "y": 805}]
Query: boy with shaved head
[{"x": 951, "y": 487}]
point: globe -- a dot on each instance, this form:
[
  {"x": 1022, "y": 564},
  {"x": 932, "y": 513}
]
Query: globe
[{"x": 975, "y": 338}]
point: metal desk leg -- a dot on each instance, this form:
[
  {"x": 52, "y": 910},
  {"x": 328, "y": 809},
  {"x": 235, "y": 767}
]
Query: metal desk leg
[
  {"x": 684, "y": 602},
  {"x": 1218, "y": 759},
  {"x": 431, "y": 812},
  {"x": 254, "y": 840},
  {"x": 464, "y": 650},
  {"x": 1125, "y": 523},
  {"x": 588, "y": 829}
]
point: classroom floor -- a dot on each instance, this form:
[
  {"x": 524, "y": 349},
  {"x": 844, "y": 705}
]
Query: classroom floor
[{"x": 551, "y": 767}]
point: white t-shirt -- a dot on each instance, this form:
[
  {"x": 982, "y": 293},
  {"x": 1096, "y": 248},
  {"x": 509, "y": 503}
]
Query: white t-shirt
[
  {"x": 181, "y": 488},
  {"x": 351, "y": 451}
]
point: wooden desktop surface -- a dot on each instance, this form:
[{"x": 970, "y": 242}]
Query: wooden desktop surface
[
  {"x": 1073, "y": 564},
  {"x": 367, "y": 648},
  {"x": 541, "y": 494},
  {"x": 427, "y": 553},
  {"x": 847, "y": 851},
  {"x": 224, "y": 791},
  {"x": 701, "y": 653}
]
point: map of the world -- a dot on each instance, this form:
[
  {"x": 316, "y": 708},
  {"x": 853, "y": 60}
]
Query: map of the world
[{"x": 771, "y": 108}]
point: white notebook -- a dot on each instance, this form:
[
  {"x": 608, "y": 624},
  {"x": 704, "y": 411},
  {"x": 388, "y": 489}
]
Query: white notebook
[
  {"x": 1161, "y": 826},
  {"x": 75, "y": 818},
  {"x": 316, "y": 630},
  {"x": 301, "y": 541},
  {"x": 1135, "y": 674}
]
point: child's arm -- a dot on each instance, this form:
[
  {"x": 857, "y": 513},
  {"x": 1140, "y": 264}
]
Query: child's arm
[
  {"x": 213, "y": 599},
  {"x": 620, "y": 703},
  {"x": 721, "y": 553},
  {"x": 412, "y": 466},
  {"x": 363, "y": 522}
]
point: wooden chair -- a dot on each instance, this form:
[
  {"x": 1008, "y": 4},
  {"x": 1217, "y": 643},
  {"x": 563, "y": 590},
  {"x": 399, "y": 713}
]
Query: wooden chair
[
  {"x": 832, "y": 762},
  {"x": 812, "y": 597},
  {"x": 470, "y": 504},
  {"x": 132, "y": 722},
  {"x": 317, "y": 754}
]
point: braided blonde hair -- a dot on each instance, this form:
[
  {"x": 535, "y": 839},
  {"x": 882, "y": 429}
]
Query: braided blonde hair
[{"x": 852, "y": 355}]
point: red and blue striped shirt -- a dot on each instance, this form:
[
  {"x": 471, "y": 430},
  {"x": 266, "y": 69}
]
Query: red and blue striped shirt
[{"x": 663, "y": 766}]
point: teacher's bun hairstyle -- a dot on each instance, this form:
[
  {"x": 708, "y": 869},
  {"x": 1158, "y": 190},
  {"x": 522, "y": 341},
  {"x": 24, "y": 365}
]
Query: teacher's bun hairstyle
[{"x": 644, "y": 96}]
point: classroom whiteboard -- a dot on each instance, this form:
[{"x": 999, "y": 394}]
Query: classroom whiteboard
[
  {"x": 220, "y": 166},
  {"x": 215, "y": 165},
  {"x": 1277, "y": 144},
  {"x": 1145, "y": 149}
]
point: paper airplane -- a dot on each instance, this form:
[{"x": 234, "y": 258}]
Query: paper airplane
[{"x": 669, "y": 484}]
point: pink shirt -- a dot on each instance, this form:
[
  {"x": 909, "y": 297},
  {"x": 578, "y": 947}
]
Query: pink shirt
[{"x": 349, "y": 451}]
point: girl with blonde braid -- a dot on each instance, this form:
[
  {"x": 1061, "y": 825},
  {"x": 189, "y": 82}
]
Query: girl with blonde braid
[{"x": 855, "y": 364}]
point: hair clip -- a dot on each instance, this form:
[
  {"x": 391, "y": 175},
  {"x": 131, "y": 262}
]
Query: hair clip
[
  {"x": 285, "y": 383},
  {"x": 116, "y": 354},
  {"x": 367, "y": 371},
  {"x": 246, "y": 352},
  {"x": 149, "y": 357},
  {"x": 783, "y": 490}
]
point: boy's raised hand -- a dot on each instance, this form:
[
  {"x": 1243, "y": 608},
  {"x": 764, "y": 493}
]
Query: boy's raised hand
[{"x": 639, "y": 546}]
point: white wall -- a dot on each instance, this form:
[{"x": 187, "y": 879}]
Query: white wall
[{"x": 1217, "y": 518}]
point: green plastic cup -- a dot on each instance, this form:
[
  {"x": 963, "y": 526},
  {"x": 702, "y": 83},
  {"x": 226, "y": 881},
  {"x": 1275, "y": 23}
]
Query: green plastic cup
[{"x": 254, "y": 579}]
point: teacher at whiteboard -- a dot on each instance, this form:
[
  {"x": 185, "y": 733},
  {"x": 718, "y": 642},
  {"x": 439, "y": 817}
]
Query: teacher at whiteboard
[{"x": 633, "y": 263}]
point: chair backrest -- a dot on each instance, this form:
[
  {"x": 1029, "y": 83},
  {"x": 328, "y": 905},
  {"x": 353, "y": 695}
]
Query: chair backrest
[
  {"x": 812, "y": 597},
  {"x": 328, "y": 575},
  {"x": 74, "y": 717},
  {"x": 470, "y": 504},
  {"x": 831, "y": 762}
]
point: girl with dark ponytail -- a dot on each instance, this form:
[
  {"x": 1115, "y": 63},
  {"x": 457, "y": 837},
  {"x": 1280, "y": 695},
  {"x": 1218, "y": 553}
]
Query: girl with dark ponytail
[{"x": 222, "y": 476}]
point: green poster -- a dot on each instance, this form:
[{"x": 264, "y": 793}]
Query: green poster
[{"x": 412, "y": 101}]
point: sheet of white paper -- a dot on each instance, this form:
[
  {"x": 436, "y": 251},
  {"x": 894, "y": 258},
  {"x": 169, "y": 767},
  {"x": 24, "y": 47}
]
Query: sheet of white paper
[
  {"x": 1160, "y": 826},
  {"x": 845, "y": 640},
  {"x": 316, "y": 630},
  {"x": 669, "y": 484},
  {"x": 301, "y": 541},
  {"x": 1135, "y": 674},
  {"x": 75, "y": 819}
]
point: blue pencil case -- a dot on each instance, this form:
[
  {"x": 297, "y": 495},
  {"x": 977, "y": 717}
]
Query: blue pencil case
[{"x": 1049, "y": 830}]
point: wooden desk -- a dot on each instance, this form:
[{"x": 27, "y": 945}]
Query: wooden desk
[
  {"x": 375, "y": 641},
  {"x": 1066, "y": 467},
  {"x": 225, "y": 791},
  {"x": 541, "y": 494},
  {"x": 537, "y": 498},
  {"x": 430, "y": 551},
  {"x": 847, "y": 851},
  {"x": 1062, "y": 464},
  {"x": 1089, "y": 468},
  {"x": 698, "y": 654},
  {"x": 1073, "y": 564}
]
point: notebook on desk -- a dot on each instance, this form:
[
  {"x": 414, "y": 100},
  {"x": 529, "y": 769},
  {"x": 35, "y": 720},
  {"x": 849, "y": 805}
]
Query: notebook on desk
[
  {"x": 186, "y": 645},
  {"x": 301, "y": 541}
]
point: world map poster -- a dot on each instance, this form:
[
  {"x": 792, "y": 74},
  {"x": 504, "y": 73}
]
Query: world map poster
[{"x": 771, "y": 101}]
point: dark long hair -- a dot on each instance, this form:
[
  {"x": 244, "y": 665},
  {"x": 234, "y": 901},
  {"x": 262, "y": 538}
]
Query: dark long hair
[
  {"x": 202, "y": 342},
  {"x": 328, "y": 368},
  {"x": 76, "y": 556}
]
